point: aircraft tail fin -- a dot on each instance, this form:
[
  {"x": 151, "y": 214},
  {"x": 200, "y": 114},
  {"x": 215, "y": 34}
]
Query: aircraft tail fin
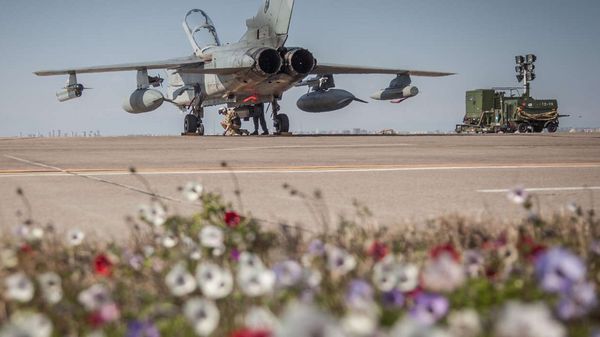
[{"x": 271, "y": 24}]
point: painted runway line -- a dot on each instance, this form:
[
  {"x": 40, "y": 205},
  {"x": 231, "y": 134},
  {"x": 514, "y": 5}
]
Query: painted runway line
[
  {"x": 60, "y": 172},
  {"x": 319, "y": 146},
  {"x": 546, "y": 189}
]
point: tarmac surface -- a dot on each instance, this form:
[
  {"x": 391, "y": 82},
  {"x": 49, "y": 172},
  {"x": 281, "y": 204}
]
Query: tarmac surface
[{"x": 85, "y": 182}]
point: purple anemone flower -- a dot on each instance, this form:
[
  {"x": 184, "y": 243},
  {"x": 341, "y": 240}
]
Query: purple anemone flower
[
  {"x": 577, "y": 302},
  {"x": 359, "y": 295},
  {"x": 288, "y": 273},
  {"x": 558, "y": 269},
  {"x": 316, "y": 248},
  {"x": 595, "y": 248},
  {"x": 235, "y": 255},
  {"x": 429, "y": 308},
  {"x": 393, "y": 299},
  {"x": 142, "y": 329}
]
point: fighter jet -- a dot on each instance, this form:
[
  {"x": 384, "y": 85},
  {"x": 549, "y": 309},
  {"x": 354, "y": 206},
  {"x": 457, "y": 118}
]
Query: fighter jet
[{"x": 245, "y": 75}]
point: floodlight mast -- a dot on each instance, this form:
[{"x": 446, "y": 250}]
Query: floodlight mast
[{"x": 525, "y": 71}]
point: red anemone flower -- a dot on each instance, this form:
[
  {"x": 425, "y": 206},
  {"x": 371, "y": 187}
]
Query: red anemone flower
[
  {"x": 445, "y": 249},
  {"x": 232, "y": 219},
  {"x": 102, "y": 265},
  {"x": 378, "y": 250},
  {"x": 26, "y": 249},
  {"x": 529, "y": 248},
  {"x": 95, "y": 319}
]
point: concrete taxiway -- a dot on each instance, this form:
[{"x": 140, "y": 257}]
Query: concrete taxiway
[{"x": 85, "y": 182}]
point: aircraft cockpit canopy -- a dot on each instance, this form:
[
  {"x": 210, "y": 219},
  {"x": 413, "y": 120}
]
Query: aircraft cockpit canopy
[{"x": 200, "y": 31}]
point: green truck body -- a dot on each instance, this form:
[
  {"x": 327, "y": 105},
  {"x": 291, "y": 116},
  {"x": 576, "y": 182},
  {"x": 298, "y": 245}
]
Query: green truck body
[{"x": 493, "y": 111}]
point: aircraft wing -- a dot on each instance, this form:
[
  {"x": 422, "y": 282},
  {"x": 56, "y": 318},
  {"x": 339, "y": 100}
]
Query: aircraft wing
[
  {"x": 191, "y": 64},
  {"x": 333, "y": 69}
]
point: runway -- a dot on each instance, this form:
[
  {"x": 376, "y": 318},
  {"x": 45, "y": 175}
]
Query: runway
[{"x": 86, "y": 183}]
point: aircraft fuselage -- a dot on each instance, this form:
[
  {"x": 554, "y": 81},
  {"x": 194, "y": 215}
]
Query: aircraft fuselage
[{"x": 252, "y": 86}]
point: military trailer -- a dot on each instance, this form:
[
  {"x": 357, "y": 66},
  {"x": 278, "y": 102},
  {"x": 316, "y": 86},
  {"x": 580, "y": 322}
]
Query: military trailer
[
  {"x": 493, "y": 111},
  {"x": 510, "y": 109}
]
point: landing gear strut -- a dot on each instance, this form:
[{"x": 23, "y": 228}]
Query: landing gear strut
[
  {"x": 281, "y": 122},
  {"x": 192, "y": 123}
]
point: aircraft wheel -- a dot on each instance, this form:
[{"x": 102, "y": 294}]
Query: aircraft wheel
[
  {"x": 523, "y": 128},
  {"x": 201, "y": 129},
  {"x": 552, "y": 127},
  {"x": 282, "y": 123},
  {"x": 190, "y": 124}
]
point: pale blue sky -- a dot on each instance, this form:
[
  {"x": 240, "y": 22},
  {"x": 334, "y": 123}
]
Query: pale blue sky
[{"x": 475, "y": 38}]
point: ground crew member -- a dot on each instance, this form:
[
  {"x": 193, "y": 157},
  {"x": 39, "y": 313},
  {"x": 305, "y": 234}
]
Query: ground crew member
[
  {"x": 232, "y": 123},
  {"x": 263, "y": 123}
]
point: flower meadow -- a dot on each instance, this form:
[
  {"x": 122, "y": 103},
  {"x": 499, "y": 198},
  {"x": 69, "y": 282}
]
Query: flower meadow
[{"x": 222, "y": 272}]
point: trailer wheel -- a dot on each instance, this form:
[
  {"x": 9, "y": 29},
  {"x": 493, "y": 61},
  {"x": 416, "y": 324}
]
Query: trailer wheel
[
  {"x": 552, "y": 127},
  {"x": 523, "y": 127}
]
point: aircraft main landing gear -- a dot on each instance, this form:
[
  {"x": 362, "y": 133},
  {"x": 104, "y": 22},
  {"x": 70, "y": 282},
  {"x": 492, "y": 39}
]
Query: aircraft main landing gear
[
  {"x": 192, "y": 123},
  {"x": 281, "y": 122}
]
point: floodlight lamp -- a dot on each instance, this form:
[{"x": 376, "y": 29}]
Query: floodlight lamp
[
  {"x": 530, "y": 67},
  {"x": 519, "y": 60},
  {"x": 531, "y": 58}
]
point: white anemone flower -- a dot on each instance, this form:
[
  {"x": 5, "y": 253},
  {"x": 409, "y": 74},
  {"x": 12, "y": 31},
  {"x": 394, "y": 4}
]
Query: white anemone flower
[
  {"x": 94, "y": 297},
  {"x": 211, "y": 237},
  {"x": 214, "y": 281},
  {"x": 155, "y": 214},
  {"x": 360, "y": 324},
  {"x": 192, "y": 191},
  {"x": 51, "y": 286},
  {"x": 464, "y": 323},
  {"x": 261, "y": 318},
  {"x": 408, "y": 277},
  {"x": 195, "y": 254},
  {"x": 8, "y": 258},
  {"x": 518, "y": 195},
  {"x": 527, "y": 320},
  {"x": 180, "y": 281},
  {"x": 169, "y": 240},
  {"x": 27, "y": 324},
  {"x": 385, "y": 276},
  {"x": 410, "y": 328},
  {"x": 18, "y": 288},
  {"x": 36, "y": 233},
  {"x": 312, "y": 278},
  {"x": 255, "y": 282},
  {"x": 300, "y": 320},
  {"x": 148, "y": 251},
  {"x": 203, "y": 315},
  {"x": 339, "y": 261},
  {"x": 30, "y": 232},
  {"x": 75, "y": 237},
  {"x": 443, "y": 274},
  {"x": 249, "y": 260}
]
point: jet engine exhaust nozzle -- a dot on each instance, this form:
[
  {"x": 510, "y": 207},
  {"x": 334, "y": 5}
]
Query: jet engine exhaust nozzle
[
  {"x": 268, "y": 61},
  {"x": 299, "y": 62}
]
